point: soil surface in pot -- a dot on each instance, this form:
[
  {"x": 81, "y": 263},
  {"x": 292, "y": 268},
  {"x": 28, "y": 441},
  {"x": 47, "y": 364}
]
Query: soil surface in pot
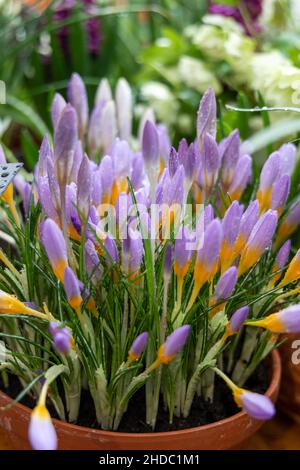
[{"x": 202, "y": 412}]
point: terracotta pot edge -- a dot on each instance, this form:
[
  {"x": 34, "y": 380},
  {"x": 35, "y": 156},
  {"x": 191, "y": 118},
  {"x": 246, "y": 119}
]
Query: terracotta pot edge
[{"x": 272, "y": 391}]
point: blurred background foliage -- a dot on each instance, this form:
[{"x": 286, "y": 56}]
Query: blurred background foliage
[{"x": 169, "y": 51}]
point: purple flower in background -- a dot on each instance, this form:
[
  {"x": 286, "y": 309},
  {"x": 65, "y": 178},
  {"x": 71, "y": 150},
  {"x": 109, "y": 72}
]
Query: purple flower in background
[
  {"x": 253, "y": 9},
  {"x": 62, "y": 337},
  {"x": 237, "y": 319},
  {"x": 64, "y": 10}
]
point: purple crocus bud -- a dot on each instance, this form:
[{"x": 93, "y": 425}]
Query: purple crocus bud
[
  {"x": 77, "y": 159},
  {"x": 238, "y": 318},
  {"x": 55, "y": 246},
  {"x": 92, "y": 263},
  {"x": 44, "y": 153},
  {"x": 94, "y": 132},
  {"x": 257, "y": 406},
  {"x": 138, "y": 347},
  {"x": 269, "y": 174},
  {"x": 72, "y": 288},
  {"x": 208, "y": 255},
  {"x": 57, "y": 107},
  {"x": 173, "y": 162},
  {"x": 168, "y": 261},
  {"x": 283, "y": 255},
  {"x": 230, "y": 226},
  {"x": 173, "y": 344},
  {"x": 62, "y": 337},
  {"x": 189, "y": 163},
  {"x": 136, "y": 250},
  {"x": 210, "y": 161},
  {"x": 65, "y": 139},
  {"x": 248, "y": 221},
  {"x": 150, "y": 144},
  {"x": 289, "y": 223},
  {"x": 45, "y": 197},
  {"x": 288, "y": 158},
  {"x": 26, "y": 198},
  {"x": 182, "y": 150},
  {"x": 84, "y": 182},
  {"x": 260, "y": 239},
  {"x": 137, "y": 173},
  {"x": 176, "y": 188},
  {"x": 124, "y": 108},
  {"x": 280, "y": 192},
  {"x": 226, "y": 284},
  {"x": 230, "y": 155},
  {"x": 111, "y": 254},
  {"x": 41, "y": 432},
  {"x": 53, "y": 185},
  {"x": 164, "y": 141},
  {"x": 103, "y": 93},
  {"x": 241, "y": 177},
  {"x": 78, "y": 99},
  {"x": 182, "y": 252},
  {"x": 108, "y": 130},
  {"x": 107, "y": 177},
  {"x": 206, "y": 117},
  {"x": 285, "y": 321}
]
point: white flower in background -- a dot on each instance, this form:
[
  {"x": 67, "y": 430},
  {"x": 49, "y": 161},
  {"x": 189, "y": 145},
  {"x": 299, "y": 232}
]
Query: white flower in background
[
  {"x": 276, "y": 14},
  {"x": 276, "y": 78},
  {"x": 195, "y": 74},
  {"x": 162, "y": 100}
]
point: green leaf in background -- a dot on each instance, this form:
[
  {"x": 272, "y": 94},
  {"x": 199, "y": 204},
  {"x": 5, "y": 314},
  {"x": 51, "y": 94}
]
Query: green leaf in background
[
  {"x": 272, "y": 134},
  {"x": 29, "y": 148}
]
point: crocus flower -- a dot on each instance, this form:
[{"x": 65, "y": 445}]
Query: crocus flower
[
  {"x": 230, "y": 155},
  {"x": 41, "y": 432},
  {"x": 241, "y": 177},
  {"x": 55, "y": 246},
  {"x": 124, "y": 108},
  {"x": 260, "y": 239},
  {"x": 280, "y": 192},
  {"x": 111, "y": 251},
  {"x": 9, "y": 304},
  {"x": 92, "y": 262},
  {"x": 210, "y": 162},
  {"x": 293, "y": 270},
  {"x": 226, "y": 284},
  {"x": 72, "y": 288},
  {"x": 237, "y": 320},
  {"x": 268, "y": 176},
  {"x": 230, "y": 227},
  {"x": 206, "y": 117},
  {"x": 132, "y": 252},
  {"x": 254, "y": 404},
  {"x": 62, "y": 338},
  {"x": 138, "y": 346},
  {"x": 285, "y": 321},
  {"x": 248, "y": 220},
  {"x": 65, "y": 140},
  {"x": 289, "y": 223},
  {"x": 57, "y": 107},
  {"x": 281, "y": 259},
  {"x": 173, "y": 344},
  {"x": 84, "y": 182},
  {"x": 208, "y": 255},
  {"x": 78, "y": 98},
  {"x": 150, "y": 144}
]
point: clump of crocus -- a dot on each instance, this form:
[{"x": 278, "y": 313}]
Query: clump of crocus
[{"x": 136, "y": 288}]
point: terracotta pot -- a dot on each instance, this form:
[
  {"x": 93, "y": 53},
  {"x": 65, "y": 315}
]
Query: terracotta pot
[
  {"x": 289, "y": 396},
  {"x": 229, "y": 433}
]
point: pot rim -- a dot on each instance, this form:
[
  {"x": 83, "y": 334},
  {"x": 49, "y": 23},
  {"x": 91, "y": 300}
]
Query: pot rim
[{"x": 271, "y": 391}]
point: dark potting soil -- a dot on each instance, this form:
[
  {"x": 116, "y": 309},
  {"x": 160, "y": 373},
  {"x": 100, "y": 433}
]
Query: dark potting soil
[{"x": 202, "y": 412}]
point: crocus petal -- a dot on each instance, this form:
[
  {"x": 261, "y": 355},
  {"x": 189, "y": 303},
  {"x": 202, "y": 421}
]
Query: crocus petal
[
  {"x": 55, "y": 246},
  {"x": 72, "y": 288},
  {"x": 238, "y": 318},
  {"x": 138, "y": 346},
  {"x": 150, "y": 144},
  {"x": 57, "y": 107},
  {"x": 226, "y": 284},
  {"x": 78, "y": 98},
  {"x": 174, "y": 343},
  {"x": 206, "y": 117},
  {"x": 124, "y": 108},
  {"x": 257, "y": 406},
  {"x": 41, "y": 432}
]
